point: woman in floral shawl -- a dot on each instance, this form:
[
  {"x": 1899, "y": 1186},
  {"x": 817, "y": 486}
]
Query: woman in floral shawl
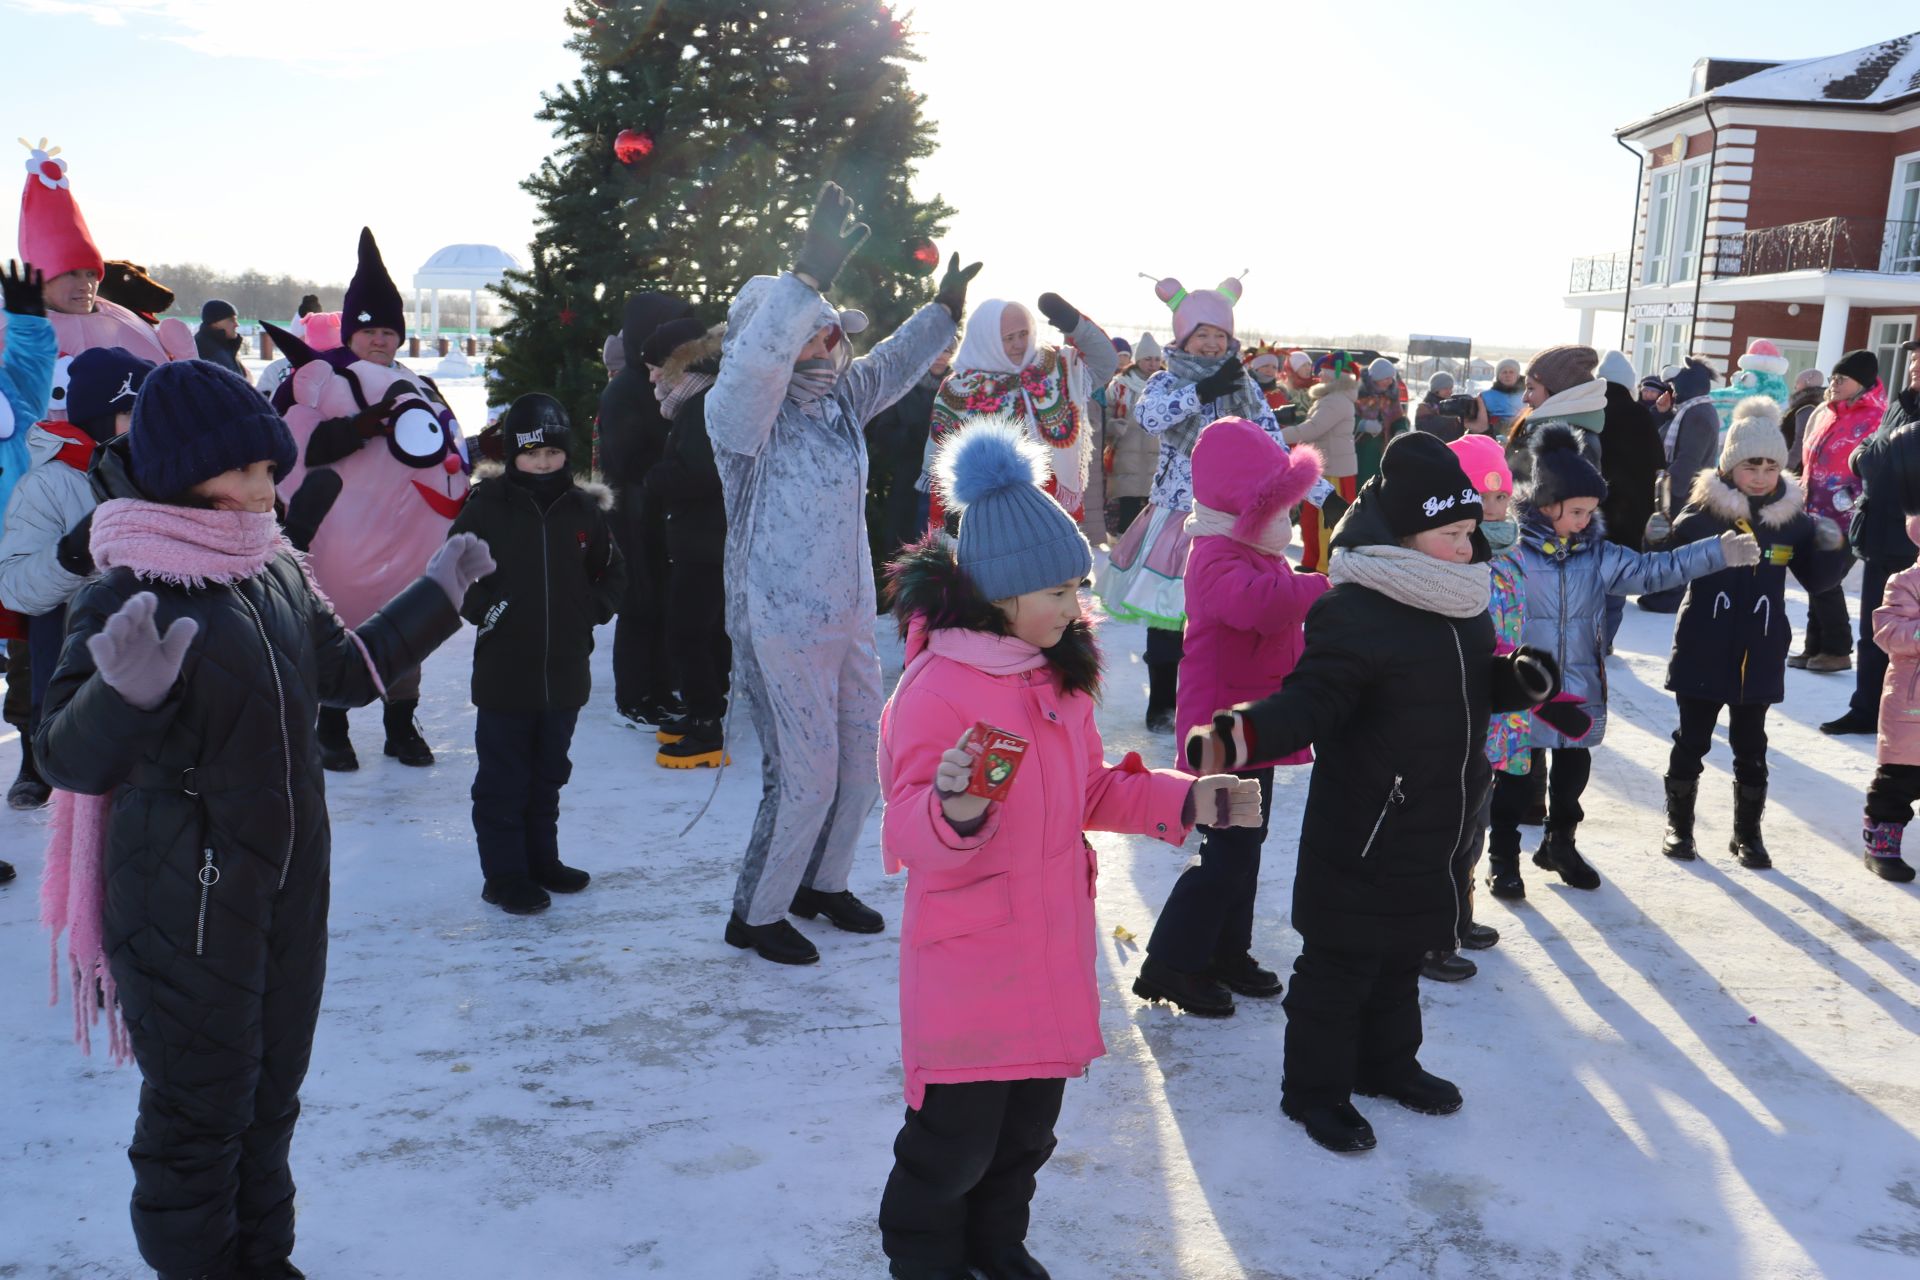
[{"x": 1003, "y": 369}]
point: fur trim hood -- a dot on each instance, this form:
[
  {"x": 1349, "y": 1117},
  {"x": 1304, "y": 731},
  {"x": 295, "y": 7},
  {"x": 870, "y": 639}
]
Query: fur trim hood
[
  {"x": 1344, "y": 384},
  {"x": 925, "y": 580},
  {"x": 691, "y": 356},
  {"x": 1712, "y": 493},
  {"x": 592, "y": 488}
]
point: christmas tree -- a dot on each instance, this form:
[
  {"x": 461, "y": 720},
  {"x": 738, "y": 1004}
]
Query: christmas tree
[{"x": 691, "y": 148}]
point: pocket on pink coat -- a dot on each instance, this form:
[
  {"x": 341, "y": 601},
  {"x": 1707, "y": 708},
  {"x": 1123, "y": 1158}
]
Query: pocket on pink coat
[{"x": 987, "y": 903}]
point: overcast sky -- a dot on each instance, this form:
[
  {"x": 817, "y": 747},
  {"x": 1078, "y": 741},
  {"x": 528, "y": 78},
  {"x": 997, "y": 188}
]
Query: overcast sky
[{"x": 1394, "y": 167}]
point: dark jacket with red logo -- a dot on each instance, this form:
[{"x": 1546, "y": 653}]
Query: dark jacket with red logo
[
  {"x": 559, "y": 576},
  {"x": 51, "y": 499}
]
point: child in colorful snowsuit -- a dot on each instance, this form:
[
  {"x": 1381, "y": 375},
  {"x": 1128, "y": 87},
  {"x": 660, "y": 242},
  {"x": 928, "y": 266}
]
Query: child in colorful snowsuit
[
  {"x": 1245, "y": 608},
  {"x": 1399, "y": 655},
  {"x": 1731, "y": 639},
  {"x": 999, "y": 1003},
  {"x": 560, "y": 575},
  {"x": 189, "y": 851},
  {"x": 1570, "y": 569},
  {"x": 1896, "y": 783}
]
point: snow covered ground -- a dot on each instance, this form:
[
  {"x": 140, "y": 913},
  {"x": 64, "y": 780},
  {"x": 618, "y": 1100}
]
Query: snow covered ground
[{"x": 1697, "y": 1071}]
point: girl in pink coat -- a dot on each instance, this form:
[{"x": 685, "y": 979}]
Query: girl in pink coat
[
  {"x": 1245, "y": 608},
  {"x": 1896, "y": 783},
  {"x": 998, "y": 1000}
]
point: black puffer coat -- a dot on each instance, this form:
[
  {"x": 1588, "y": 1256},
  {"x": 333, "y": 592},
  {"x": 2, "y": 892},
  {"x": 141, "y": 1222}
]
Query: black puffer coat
[
  {"x": 632, "y": 432},
  {"x": 558, "y": 576},
  {"x": 1631, "y": 463},
  {"x": 1394, "y": 701},
  {"x": 217, "y": 879},
  {"x": 1889, "y": 465},
  {"x": 685, "y": 484}
]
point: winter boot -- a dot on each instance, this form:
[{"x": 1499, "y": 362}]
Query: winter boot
[
  {"x": 515, "y": 895},
  {"x": 842, "y": 910},
  {"x": 1882, "y": 856},
  {"x": 1478, "y": 937},
  {"x": 1162, "y": 688},
  {"x": 336, "y": 748},
  {"x": 282, "y": 1269},
  {"x": 1009, "y": 1262},
  {"x": 7, "y": 872},
  {"x": 1503, "y": 866},
  {"x": 649, "y": 716},
  {"x": 1245, "y": 976},
  {"x": 1422, "y": 1091},
  {"x": 1193, "y": 993},
  {"x": 1447, "y": 966},
  {"x": 900, "y": 1269},
  {"x": 1337, "y": 1126},
  {"x": 779, "y": 942},
  {"x": 1558, "y": 854},
  {"x": 702, "y": 745},
  {"x": 29, "y": 790},
  {"x": 1678, "y": 844},
  {"x": 672, "y": 728},
  {"x": 404, "y": 742},
  {"x": 558, "y": 877},
  {"x": 1746, "y": 845}
]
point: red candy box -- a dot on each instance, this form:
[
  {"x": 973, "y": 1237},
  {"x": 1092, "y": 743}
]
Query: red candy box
[{"x": 995, "y": 762}]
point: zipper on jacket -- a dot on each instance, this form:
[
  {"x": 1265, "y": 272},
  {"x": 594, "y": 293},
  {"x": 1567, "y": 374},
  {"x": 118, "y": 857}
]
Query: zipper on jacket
[
  {"x": 546, "y": 590},
  {"x": 286, "y": 742},
  {"x": 1394, "y": 797},
  {"x": 209, "y": 876},
  {"x": 1460, "y": 836}
]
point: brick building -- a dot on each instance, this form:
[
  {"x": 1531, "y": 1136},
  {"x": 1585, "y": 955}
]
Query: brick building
[{"x": 1779, "y": 201}]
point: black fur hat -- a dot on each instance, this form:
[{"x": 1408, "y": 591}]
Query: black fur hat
[{"x": 1559, "y": 470}]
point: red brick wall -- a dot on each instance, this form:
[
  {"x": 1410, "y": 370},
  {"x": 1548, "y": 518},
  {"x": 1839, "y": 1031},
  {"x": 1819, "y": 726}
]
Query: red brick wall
[
  {"x": 1770, "y": 320},
  {"x": 1801, "y": 175}
]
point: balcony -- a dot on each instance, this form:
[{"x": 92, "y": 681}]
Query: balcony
[
  {"x": 1829, "y": 244},
  {"x": 1601, "y": 273}
]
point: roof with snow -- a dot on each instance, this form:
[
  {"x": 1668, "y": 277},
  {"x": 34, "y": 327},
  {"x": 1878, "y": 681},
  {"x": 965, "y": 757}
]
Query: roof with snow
[
  {"x": 1873, "y": 78},
  {"x": 465, "y": 266}
]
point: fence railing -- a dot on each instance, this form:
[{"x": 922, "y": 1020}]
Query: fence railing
[
  {"x": 1601, "y": 273},
  {"x": 1827, "y": 244}
]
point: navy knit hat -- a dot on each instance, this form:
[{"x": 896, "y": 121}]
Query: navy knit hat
[
  {"x": 214, "y": 310},
  {"x": 372, "y": 301},
  {"x": 1014, "y": 538},
  {"x": 101, "y": 382},
  {"x": 194, "y": 420},
  {"x": 1559, "y": 471}
]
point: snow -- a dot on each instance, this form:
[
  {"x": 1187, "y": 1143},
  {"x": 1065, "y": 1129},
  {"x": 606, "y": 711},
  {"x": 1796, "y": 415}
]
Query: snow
[
  {"x": 1696, "y": 1071},
  {"x": 1875, "y": 74}
]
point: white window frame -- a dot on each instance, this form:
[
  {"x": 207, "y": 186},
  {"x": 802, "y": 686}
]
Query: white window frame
[
  {"x": 1676, "y": 337},
  {"x": 1902, "y": 257},
  {"x": 1892, "y": 370},
  {"x": 1660, "y": 224},
  {"x": 1646, "y": 347},
  {"x": 1689, "y": 219}
]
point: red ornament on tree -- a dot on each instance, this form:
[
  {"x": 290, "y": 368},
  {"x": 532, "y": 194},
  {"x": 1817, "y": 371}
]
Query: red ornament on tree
[
  {"x": 925, "y": 255},
  {"x": 567, "y": 316},
  {"x": 632, "y": 145}
]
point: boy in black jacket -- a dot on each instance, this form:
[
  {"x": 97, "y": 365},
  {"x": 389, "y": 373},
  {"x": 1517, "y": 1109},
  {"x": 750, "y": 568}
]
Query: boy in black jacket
[{"x": 559, "y": 576}]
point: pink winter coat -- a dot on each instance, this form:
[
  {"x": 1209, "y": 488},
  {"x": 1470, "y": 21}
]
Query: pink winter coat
[
  {"x": 997, "y": 944},
  {"x": 1245, "y": 612},
  {"x": 1896, "y": 629},
  {"x": 1834, "y": 432}
]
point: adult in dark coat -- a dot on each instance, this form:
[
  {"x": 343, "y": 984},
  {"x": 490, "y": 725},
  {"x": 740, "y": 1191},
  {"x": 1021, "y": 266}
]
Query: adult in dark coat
[
  {"x": 896, "y": 453},
  {"x": 218, "y": 339},
  {"x": 632, "y": 436},
  {"x": 1630, "y": 464},
  {"x": 685, "y": 485},
  {"x": 1888, "y": 464},
  {"x": 216, "y": 838},
  {"x": 1691, "y": 441}
]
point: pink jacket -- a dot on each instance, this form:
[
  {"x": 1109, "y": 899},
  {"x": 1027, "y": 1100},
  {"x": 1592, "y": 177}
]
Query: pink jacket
[
  {"x": 997, "y": 944},
  {"x": 1245, "y": 612},
  {"x": 1896, "y": 629},
  {"x": 1833, "y": 433}
]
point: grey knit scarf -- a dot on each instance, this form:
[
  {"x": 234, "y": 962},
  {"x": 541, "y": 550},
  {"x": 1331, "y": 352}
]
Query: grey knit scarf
[
  {"x": 1244, "y": 401},
  {"x": 1415, "y": 578}
]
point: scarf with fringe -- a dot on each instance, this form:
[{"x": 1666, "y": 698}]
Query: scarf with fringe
[
  {"x": 1245, "y": 400},
  {"x": 1416, "y": 579}
]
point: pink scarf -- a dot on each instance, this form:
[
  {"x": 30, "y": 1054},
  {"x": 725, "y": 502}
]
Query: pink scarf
[
  {"x": 185, "y": 547},
  {"x": 995, "y": 655}
]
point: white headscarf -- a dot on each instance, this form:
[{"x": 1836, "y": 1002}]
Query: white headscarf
[{"x": 982, "y": 349}]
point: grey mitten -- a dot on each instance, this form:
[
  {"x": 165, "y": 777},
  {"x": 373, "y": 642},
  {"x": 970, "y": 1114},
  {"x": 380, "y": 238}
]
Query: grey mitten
[
  {"x": 1742, "y": 550},
  {"x": 134, "y": 659},
  {"x": 462, "y": 561}
]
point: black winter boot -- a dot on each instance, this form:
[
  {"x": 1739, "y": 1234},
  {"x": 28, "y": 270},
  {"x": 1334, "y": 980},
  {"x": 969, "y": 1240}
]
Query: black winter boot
[
  {"x": 1163, "y": 685},
  {"x": 1337, "y": 1126},
  {"x": 1009, "y": 1262},
  {"x": 283, "y": 1269},
  {"x": 1422, "y": 1091},
  {"x": 404, "y": 742},
  {"x": 1558, "y": 854},
  {"x": 336, "y": 748},
  {"x": 1447, "y": 966},
  {"x": 1883, "y": 840},
  {"x": 515, "y": 895},
  {"x": 1681, "y": 793},
  {"x": 1244, "y": 975},
  {"x": 6, "y": 872},
  {"x": 1503, "y": 866},
  {"x": 692, "y": 744},
  {"x": 1479, "y": 937},
  {"x": 29, "y": 789},
  {"x": 899, "y": 1269},
  {"x": 1193, "y": 993},
  {"x": 558, "y": 877},
  {"x": 1748, "y": 804},
  {"x": 842, "y": 910},
  {"x": 779, "y": 942}
]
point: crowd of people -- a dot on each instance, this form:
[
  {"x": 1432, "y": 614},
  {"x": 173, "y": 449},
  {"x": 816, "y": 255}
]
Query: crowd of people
[{"x": 204, "y": 575}]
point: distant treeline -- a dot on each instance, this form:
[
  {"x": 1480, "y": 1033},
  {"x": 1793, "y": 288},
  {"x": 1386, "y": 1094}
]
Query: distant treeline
[{"x": 254, "y": 294}]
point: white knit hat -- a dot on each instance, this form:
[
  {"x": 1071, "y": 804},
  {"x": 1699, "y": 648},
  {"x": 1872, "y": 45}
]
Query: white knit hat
[
  {"x": 1148, "y": 348},
  {"x": 1755, "y": 433}
]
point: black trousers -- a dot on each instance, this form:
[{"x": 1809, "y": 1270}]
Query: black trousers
[
  {"x": 641, "y": 674},
  {"x": 1353, "y": 1018},
  {"x": 1566, "y": 783},
  {"x": 17, "y": 708},
  {"x": 1746, "y": 733},
  {"x": 1165, "y": 648},
  {"x": 1892, "y": 793},
  {"x": 1122, "y": 512},
  {"x": 46, "y": 635},
  {"x": 1209, "y": 913},
  {"x": 1870, "y": 660},
  {"x": 516, "y": 789},
  {"x": 697, "y": 637},
  {"x": 963, "y": 1169},
  {"x": 1828, "y": 630}
]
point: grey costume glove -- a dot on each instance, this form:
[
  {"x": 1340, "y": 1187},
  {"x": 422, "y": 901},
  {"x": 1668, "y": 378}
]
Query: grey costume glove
[
  {"x": 134, "y": 659},
  {"x": 457, "y": 565}
]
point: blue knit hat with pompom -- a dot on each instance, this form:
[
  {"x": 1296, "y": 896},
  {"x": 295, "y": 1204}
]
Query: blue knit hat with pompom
[
  {"x": 194, "y": 420},
  {"x": 1014, "y": 538}
]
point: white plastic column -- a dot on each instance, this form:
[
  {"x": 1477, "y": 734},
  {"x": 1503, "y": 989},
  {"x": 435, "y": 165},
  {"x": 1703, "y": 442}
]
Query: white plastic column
[
  {"x": 436, "y": 312},
  {"x": 473, "y": 311},
  {"x": 1586, "y": 327},
  {"x": 1833, "y": 331}
]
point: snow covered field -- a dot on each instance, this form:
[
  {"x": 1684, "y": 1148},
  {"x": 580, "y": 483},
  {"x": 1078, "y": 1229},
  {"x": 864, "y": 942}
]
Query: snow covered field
[{"x": 1697, "y": 1071}]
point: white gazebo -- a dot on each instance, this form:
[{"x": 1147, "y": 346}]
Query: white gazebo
[{"x": 459, "y": 268}]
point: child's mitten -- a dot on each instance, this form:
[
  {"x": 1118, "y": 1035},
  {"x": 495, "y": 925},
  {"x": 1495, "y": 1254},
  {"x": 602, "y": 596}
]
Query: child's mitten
[
  {"x": 1523, "y": 679},
  {"x": 1742, "y": 550},
  {"x": 134, "y": 659},
  {"x": 1222, "y": 800},
  {"x": 1827, "y": 535},
  {"x": 1567, "y": 714},
  {"x": 950, "y": 780},
  {"x": 459, "y": 563},
  {"x": 1223, "y": 746}
]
